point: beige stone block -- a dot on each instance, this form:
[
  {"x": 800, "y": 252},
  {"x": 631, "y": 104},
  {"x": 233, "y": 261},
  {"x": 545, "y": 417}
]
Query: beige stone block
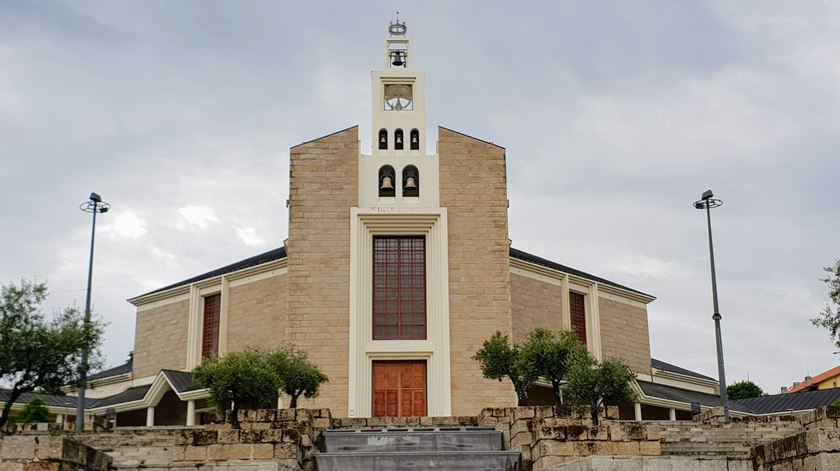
[
  {"x": 240, "y": 452},
  {"x": 50, "y": 447},
  {"x": 218, "y": 452},
  {"x": 650, "y": 448},
  {"x": 41, "y": 466},
  {"x": 228, "y": 436},
  {"x": 10, "y": 466},
  {"x": 195, "y": 453},
  {"x": 16, "y": 447},
  {"x": 263, "y": 452}
]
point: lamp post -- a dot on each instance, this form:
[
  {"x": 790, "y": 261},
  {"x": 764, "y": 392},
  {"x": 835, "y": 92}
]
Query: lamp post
[
  {"x": 94, "y": 205},
  {"x": 707, "y": 202}
]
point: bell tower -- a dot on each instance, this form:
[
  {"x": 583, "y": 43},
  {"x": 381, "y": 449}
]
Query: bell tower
[{"x": 399, "y": 175}]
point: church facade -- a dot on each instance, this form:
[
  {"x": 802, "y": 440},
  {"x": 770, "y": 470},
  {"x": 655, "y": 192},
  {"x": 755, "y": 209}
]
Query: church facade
[{"x": 397, "y": 267}]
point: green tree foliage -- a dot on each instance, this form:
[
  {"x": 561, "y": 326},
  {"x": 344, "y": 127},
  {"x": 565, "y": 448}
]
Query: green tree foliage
[
  {"x": 590, "y": 384},
  {"x": 36, "y": 352},
  {"x": 499, "y": 360},
  {"x": 240, "y": 380},
  {"x": 299, "y": 376},
  {"x": 829, "y": 318},
  {"x": 743, "y": 390},
  {"x": 544, "y": 354},
  {"x": 35, "y": 411}
]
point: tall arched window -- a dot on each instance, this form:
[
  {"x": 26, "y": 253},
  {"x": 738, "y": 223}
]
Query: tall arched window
[
  {"x": 398, "y": 140},
  {"x": 383, "y": 139},
  {"x": 386, "y": 181},
  {"x": 411, "y": 181},
  {"x": 414, "y": 139}
]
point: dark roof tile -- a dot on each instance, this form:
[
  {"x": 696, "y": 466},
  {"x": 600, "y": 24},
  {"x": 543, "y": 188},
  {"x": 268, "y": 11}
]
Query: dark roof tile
[{"x": 661, "y": 365}]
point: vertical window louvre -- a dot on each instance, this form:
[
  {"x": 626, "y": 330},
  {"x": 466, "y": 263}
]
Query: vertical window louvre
[
  {"x": 210, "y": 331},
  {"x": 399, "y": 288},
  {"x": 577, "y": 308}
]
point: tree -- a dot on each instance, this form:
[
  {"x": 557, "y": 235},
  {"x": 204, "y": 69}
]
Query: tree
[
  {"x": 743, "y": 390},
  {"x": 829, "y": 318},
  {"x": 300, "y": 377},
  {"x": 240, "y": 380},
  {"x": 35, "y": 411},
  {"x": 544, "y": 354},
  {"x": 40, "y": 353},
  {"x": 498, "y": 359},
  {"x": 590, "y": 384}
]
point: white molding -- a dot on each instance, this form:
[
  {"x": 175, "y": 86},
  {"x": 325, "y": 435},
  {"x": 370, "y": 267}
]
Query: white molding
[
  {"x": 224, "y": 302},
  {"x": 363, "y": 226},
  {"x": 238, "y": 277}
]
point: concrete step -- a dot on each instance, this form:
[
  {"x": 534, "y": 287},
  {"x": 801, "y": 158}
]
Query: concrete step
[
  {"x": 441, "y": 460},
  {"x": 418, "y": 439}
]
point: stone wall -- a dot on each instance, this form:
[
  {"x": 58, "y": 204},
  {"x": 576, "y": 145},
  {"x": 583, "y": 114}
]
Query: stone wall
[
  {"x": 49, "y": 453},
  {"x": 161, "y": 339},
  {"x": 624, "y": 334},
  {"x": 547, "y": 437},
  {"x": 258, "y": 314},
  {"x": 473, "y": 188},
  {"x": 817, "y": 449},
  {"x": 535, "y": 304},
  {"x": 323, "y": 188}
]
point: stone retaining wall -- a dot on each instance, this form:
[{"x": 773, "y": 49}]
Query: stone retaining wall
[
  {"x": 49, "y": 453},
  {"x": 817, "y": 449},
  {"x": 547, "y": 437}
]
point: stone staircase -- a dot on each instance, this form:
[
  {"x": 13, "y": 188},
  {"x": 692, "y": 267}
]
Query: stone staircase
[{"x": 451, "y": 449}]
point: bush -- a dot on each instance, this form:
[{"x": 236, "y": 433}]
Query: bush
[
  {"x": 499, "y": 359},
  {"x": 545, "y": 355},
  {"x": 743, "y": 390},
  {"x": 35, "y": 411}
]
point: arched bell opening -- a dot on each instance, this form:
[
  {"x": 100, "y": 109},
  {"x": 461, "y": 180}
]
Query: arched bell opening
[
  {"x": 414, "y": 139},
  {"x": 411, "y": 181},
  {"x": 383, "y": 139},
  {"x": 398, "y": 140},
  {"x": 386, "y": 181}
]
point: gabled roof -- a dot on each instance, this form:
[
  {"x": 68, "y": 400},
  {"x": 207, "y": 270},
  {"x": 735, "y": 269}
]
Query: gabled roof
[
  {"x": 115, "y": 371},
  {"x": 521, "y": 255},
  {"x": 265, "y": 257},
  {"x": 661, "y": 365},
  {"x": 816, "y": 380},
  {"x": 129, "y": 395},
  {"x": 280, "y": 253},
  {"x": 53, "y": 400},
  {"x": 687, "y": 396},
  {"x": 181, "y": 381}
]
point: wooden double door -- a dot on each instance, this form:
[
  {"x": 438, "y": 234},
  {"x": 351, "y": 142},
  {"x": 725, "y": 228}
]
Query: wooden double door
[{"x": 399, "y": 388}]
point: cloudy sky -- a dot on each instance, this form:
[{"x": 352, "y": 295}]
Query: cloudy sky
[{"x": 615, "y": 116}]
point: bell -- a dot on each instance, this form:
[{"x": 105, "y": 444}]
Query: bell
[
  {"x": 398, "y": 139},
  {"x": 398, "y": 61},
  {"x": 383, "y": 139},
  {"x": 386, "y": 184},
  {"x": 414, "y": 138},
  {"x": 410, "y": 184}
]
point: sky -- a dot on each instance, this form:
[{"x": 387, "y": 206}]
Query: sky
[{"x": 616, "y": 116}]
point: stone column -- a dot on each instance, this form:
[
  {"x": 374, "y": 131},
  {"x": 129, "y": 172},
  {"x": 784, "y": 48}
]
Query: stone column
[
  {"x": 150, "y": 416},
  {"x": 673, "y": 414},
  {"x": 190, "y": 413},
  {"x": 637, "y": 408},
  {"x": 59, "y": 419}
]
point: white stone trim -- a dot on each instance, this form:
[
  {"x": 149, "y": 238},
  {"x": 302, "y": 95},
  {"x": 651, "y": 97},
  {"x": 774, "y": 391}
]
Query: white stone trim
[{"x": 435, "y": 349}]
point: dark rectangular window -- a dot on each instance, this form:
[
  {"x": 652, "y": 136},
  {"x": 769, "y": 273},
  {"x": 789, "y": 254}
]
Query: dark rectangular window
[
  {"x": 577, "y": 308},
  {"x": 210, "y": 330},
  {"x": 399, "y": 288}
]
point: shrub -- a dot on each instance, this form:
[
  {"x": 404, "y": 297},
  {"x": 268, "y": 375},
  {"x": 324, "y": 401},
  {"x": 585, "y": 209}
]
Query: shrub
[
  {"x": 590, "y": 384},
  {"x": 35, "y": 411}
]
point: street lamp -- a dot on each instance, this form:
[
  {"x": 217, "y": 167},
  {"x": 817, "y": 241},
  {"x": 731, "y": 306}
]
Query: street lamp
[
  {"x": 94, "y": 205},
  {"x": 707, "y": 202}
]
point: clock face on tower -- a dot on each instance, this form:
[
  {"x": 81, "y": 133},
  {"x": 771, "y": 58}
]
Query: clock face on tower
[{"x": 398, "y": 97}]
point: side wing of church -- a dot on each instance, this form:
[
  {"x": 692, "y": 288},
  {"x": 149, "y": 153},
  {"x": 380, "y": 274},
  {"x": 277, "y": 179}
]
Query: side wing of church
[{"x": 398, "y": 266}]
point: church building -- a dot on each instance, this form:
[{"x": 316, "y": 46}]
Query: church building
[{"x": 397, "y": 267}]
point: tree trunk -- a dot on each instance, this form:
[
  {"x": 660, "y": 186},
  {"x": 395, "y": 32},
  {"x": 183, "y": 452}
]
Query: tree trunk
[
  {"x": 521, "y": 393},
  {"x": 234, "y": 416},
  {"x": 594, "y": 411},
  {"x": 7, "y": 408},
  {"x": 558, "y": 396},
  {"x": 293, "y": 402}
]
